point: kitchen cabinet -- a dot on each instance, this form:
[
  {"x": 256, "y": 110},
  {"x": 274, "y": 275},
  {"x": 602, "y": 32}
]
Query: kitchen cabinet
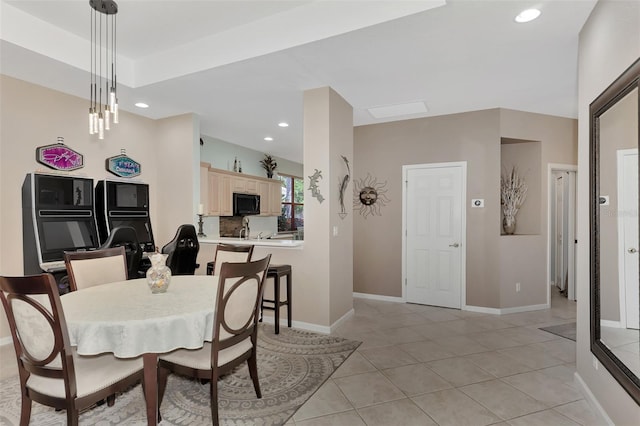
[{"x": 217, "y": 187}]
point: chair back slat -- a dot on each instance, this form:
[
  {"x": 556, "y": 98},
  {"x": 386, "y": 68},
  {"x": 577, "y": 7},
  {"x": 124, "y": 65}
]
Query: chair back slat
[
  {"x": 231, "y": 253},
  {"x": 239, "y": 292},
  {"x": 90, "y": 268}
]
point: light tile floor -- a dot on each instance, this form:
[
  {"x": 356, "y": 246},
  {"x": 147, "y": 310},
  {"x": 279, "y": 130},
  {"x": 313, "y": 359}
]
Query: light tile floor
[{"x": 423, "y": 365}]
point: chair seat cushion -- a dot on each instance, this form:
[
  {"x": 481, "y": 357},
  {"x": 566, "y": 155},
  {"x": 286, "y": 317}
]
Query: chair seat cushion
[
  {"x": 201, "y": 358},
  {"x": 93, "y": 373}
]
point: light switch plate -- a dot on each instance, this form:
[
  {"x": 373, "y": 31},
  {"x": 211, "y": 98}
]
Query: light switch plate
[{"x": 477, "y": 203}]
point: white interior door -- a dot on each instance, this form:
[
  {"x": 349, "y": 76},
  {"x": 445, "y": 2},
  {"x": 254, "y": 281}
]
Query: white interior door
[
  {"x": 571, "y": 234},
  {"x": 434, "y": 234},
  {"x": 628, "y": 236},
  {"x": 559, "y": 237}
]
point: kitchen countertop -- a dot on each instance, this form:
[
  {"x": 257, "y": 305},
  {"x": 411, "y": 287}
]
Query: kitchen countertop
[{"x": 254, "y": 241}]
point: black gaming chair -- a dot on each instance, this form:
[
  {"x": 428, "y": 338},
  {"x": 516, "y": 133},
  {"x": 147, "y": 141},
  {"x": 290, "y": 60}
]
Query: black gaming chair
[
  {"x": 183, "y": 251},
  {"x": 126, "y": 237}
]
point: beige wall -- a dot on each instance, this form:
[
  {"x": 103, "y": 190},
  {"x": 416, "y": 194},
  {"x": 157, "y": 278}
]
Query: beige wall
[
  {"x": 328, "y": 134},
  {"x": 524, "y": 258},
  {"x": 33, "y": 116},
  {"x": 382, "y": 149},
  {"x": 609, "y": 43}
]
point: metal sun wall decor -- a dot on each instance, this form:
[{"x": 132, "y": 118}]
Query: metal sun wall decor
[
  {"x": 369, "y": 196},
  {"x": 343, "y": 186},
  {"x": 58, "y": 156},
  {"x": 313, "y": 185}
]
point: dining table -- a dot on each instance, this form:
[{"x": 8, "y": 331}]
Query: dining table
[{"x": 125, "y": 318}]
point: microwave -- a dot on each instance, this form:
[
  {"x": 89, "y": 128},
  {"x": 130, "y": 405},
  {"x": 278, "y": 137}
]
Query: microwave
[{"x": 245, "y": 204}]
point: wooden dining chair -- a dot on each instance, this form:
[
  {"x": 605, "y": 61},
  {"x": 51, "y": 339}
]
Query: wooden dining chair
[
  {"x": 231, "y": 253},
  {"x": 50, "y": 371},
  {"x": 235, "y": 332},
  {"x": 90, "y": 268}
]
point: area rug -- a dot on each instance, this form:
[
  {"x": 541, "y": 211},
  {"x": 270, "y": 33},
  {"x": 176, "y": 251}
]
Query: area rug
[
  {"x": 291, "y": 367},
  {"x": 568, "y": 331}
]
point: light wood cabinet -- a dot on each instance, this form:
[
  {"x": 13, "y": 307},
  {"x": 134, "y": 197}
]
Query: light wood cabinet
[
  {"x": 226, "y": 195},
  {"x": 214, "y": 181},
  {"x": 217, "y": 187},
  {"x": 275, "y": 198}
]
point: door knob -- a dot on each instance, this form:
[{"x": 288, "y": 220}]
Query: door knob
[
  {"x": 632, "y": 250},
  {"x": 454, "y": 245}
]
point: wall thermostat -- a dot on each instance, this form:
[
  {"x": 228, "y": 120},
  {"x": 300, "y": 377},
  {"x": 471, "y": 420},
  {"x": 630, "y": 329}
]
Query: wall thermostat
[{"x": 477, "y": 202}]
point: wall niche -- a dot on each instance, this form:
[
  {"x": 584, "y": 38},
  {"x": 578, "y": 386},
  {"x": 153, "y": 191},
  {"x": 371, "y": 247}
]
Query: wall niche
[{"x": 526, "y": 157}]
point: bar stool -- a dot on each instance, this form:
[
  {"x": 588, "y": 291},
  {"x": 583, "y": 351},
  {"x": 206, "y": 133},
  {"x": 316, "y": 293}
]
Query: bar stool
[{"x": 276, "y": 272}]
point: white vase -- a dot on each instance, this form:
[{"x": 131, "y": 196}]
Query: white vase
[{"x": 509, "y": 225}]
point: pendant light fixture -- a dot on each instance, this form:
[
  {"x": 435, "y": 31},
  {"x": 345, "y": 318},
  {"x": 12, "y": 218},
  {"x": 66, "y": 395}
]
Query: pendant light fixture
[{"x": 103, "y": 67}]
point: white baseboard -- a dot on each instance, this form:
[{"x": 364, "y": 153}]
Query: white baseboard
[
  {"x": 611, "y": 324},
  {"x": 379, "y": 297},
  {"x": 528, "y": 308},
  {"x": 481, "y": 309},
  {"x": 342, "y": 319},
  {"x": 299, "y": 324},
  {"x": 504, "y": 311},
  {"x": 591, "y": 400}
]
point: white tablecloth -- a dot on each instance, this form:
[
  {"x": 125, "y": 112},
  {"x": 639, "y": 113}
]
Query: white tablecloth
[{"x": 125, "y": 318}]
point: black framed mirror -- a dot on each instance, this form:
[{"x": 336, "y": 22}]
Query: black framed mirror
[{"x": 615, "y": 253}]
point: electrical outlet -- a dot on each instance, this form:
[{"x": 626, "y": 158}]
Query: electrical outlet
[
  {"x": 517, "y": 287},
  {"x": 335, "y": 231}
]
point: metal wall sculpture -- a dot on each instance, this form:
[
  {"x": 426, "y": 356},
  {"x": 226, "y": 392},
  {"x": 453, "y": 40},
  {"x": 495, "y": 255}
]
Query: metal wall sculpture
[
  {"x": 313, "y": 185},
  {"x": 369, "y": 196}
]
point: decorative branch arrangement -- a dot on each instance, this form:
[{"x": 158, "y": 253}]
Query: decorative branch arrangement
[
  {"x": 343, "y": 186},
  {"x": 513, "y": 192},
  {"x": 269, "y": 164}
]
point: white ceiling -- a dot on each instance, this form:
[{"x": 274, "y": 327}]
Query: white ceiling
[{"x": 242, "y": 66}]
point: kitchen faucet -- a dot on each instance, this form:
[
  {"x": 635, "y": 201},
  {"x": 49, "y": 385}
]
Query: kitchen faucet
[{"x": 245, "y": 228}]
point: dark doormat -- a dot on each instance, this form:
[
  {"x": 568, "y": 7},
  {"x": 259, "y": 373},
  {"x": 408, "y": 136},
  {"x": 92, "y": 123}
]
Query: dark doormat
[{"x": 568, "y": 331}]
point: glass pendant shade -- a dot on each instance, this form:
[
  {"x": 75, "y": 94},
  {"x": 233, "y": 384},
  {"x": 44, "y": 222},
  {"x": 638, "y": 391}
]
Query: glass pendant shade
[
  {"x": 107, "y": 118},
  {"x": 92, "y": 129},
  {"x": 115, "y": 112},
  {"x": 100, "y": 127},
  {"x": 112, "y": 99}
]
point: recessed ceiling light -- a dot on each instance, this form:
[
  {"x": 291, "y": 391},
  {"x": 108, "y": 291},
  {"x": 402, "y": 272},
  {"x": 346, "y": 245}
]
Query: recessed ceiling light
[
  {"x": 283, "y": 124},
  {"x": 142, "y": 105},
  {"x": 268, "y": 138},
  {"x": 527, "y": 15}
]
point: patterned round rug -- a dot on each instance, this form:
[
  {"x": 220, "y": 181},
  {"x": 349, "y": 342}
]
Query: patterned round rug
[{"x": 291, "y": 367}]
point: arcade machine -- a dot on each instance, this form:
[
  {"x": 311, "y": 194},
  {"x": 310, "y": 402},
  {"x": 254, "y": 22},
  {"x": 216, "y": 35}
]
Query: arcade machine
[
  {"x": 57, "y": 216},
  {"x": 125, "y": 203}
]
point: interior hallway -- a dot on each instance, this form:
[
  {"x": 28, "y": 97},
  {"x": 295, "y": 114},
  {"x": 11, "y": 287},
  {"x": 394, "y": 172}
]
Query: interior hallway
[{"x": 422, "y": 365}]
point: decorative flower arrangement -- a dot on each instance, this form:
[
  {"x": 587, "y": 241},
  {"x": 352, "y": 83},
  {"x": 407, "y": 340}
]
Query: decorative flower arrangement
[
  {"x": 269, "y": 164},
  {"x": 513, "y": 192}
]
